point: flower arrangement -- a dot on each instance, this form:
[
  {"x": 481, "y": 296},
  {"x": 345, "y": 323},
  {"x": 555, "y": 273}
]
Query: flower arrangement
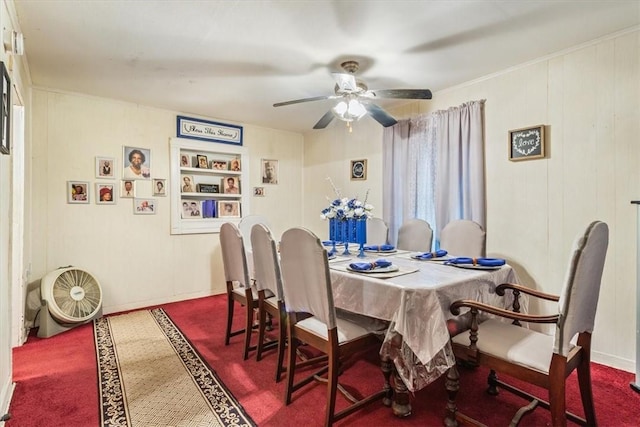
[{"x": 343, "y": 208}]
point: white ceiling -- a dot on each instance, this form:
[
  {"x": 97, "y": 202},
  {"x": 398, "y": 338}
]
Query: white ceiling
[{"x": 232, "y": 60}]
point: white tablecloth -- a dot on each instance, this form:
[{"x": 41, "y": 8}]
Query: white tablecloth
[{"x": 417, "y": 304}]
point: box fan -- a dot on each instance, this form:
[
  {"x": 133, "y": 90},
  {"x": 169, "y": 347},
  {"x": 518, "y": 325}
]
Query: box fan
[{"x": 69, "y": 297}]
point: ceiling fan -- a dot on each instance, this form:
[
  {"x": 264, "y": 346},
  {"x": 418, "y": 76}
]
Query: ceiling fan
[{"x": 356, "y": 99}]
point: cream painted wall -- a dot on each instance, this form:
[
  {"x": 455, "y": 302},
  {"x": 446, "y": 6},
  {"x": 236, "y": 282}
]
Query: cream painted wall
[
  {"x": 328, "y": 154},
  {"x": 589, "y": 100},
  {"x": 134, "y": 257}
]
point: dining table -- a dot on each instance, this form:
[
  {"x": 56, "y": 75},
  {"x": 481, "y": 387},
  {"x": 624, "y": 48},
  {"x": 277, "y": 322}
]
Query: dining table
[{"x": 414, "y": 296}]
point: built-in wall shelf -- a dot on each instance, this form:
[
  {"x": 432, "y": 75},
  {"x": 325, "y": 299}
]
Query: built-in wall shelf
[{"x": 207, "y": 189}]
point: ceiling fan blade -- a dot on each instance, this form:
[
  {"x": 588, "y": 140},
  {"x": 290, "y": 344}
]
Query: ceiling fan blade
[
  {"x": 324, "y": 121},
  {"x": 381, "y": 116},
  {"x": 298, "y": 101},
  {"x": 402, "y": 93},
  {"x": 346, "y": 82}
]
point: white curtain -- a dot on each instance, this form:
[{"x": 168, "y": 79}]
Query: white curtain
[
  {"x": 409, "y": 173},
  {"x": 434, "y": 168}
]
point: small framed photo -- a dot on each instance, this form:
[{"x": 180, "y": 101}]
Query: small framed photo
[
  {"x": 77, "y": 192},
  {"x": 105, "y": 167},
  {"x": 203, "y": 163},
  {"x": 526, "y": 143},
  {"x": 234, "y": 165},
  {"x": 219, "y": 165},
  {"x": 187, "y": 185},
  {"x": 191, "y": 209},
  {"x": 258, "y": 191},
  {"x": 136, "y": 163},
  {"x": 228, "y": 209},
  {"x": 159, "y": 187},
  {"x": 144, "y": 206},
  {"x": 5, "y": 111},
  {"x": 358, "y": 170},
  {"x": 104, "y": 194},
  {"x": 269, "y": 171},
  {"x": 231, "y": 185},
  {"x": 185, "y": 161},
  {"x": 128, "y": 188}
]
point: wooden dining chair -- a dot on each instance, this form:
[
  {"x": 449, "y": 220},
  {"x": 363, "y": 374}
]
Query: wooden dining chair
[
  {"x": 377, "y": 231},
  {"x": 239, "y": 287},
  {"x": 268, "y": 282},
  {"x": 462, "y": 237},
  {"x": 415, "y": 235},
  {"x": 535, "y": 357},
  {"x": 312, "y": 319}
]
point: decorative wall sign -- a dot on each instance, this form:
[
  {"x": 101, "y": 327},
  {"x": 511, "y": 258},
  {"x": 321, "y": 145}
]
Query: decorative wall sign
[
  {"x": 526, "y": 143},
  {"x": 209, "y": 131},
  {"x": 358, "y": 170},
  {"x": 208, "y": 188}
]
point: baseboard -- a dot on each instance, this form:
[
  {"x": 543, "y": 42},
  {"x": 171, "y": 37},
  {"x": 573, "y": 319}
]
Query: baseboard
[
  {"x": 627, "y": 365},
  {"x": 154, "y": 302},
  {"x": 5, "y": 399}
]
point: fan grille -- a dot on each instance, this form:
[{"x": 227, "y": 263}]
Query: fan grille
[{"x": 76, "y": 296}]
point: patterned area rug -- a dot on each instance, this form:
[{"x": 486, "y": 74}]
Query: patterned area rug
[{"x": 150, "y": 375}]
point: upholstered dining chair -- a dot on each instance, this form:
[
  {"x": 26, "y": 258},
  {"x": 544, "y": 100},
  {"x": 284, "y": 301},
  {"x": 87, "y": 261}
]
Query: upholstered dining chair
[
  {"x": 377, "y": 231},
  {"x": 234, "y": 259},
  {"x": 246, "y": 225},
  {"x": 415, "y": 235},
  {"x": 312, "y": 319},
  {"x": 535, "y": 357},
  {"x": 268, "y": 282},
  {"x": 462, "y": 237}
]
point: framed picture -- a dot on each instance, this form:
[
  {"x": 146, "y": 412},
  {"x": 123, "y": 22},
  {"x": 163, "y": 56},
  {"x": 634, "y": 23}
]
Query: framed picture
[
  {"x": 269, "y": 171},
  {"x": 258, "y": 191},
  {"x": 220, "y": 165},
  {"x": 105, "y": 194},
  {"x": 202, "y": 162},
  {"x": 526, "y": 143},
  {"x": 128, "y": 188},
  {"x": 358, "y": 170},
  {"x": 77, "y": 192},
  {"x": 234, "y": 165},
  {"x": 205, "y": 130},
  {"x": 185, "y": 161},
  {"x": 231, "y": 185},
  {"x": 191, "y": 209},
  {"x": 228, "y": 209},
  {"x": 186, "y": 184},
  {"x": 136, "y": 163},
  {"x": 105, "y": 167},
  {"x": 159, "y": 187},
  {"x": 5, "y": 111},
  {"x": 144, "y": 206}
]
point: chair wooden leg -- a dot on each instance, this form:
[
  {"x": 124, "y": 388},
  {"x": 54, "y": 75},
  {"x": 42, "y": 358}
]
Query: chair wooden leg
[
  {"x": 230, "y": 306},
  {"x": 248, "y": 330},
  {"x": 557, "y": 390},
  {"x": 584, "y": 379},
  {"x": 261, "y": 329},
  {"x": 291, "y": 363},
  {"x": 492, "y": 382},
  {"x": 282, "y": 343},
  {"x": 332, "y": 385}
]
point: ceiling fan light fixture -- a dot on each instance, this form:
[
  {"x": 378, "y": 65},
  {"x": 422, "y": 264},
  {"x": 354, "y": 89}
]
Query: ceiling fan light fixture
[{"x": 349, "y": 111}]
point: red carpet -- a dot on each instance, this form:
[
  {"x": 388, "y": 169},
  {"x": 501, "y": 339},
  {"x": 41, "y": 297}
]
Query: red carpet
[{"x": 56, "y": 383}]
